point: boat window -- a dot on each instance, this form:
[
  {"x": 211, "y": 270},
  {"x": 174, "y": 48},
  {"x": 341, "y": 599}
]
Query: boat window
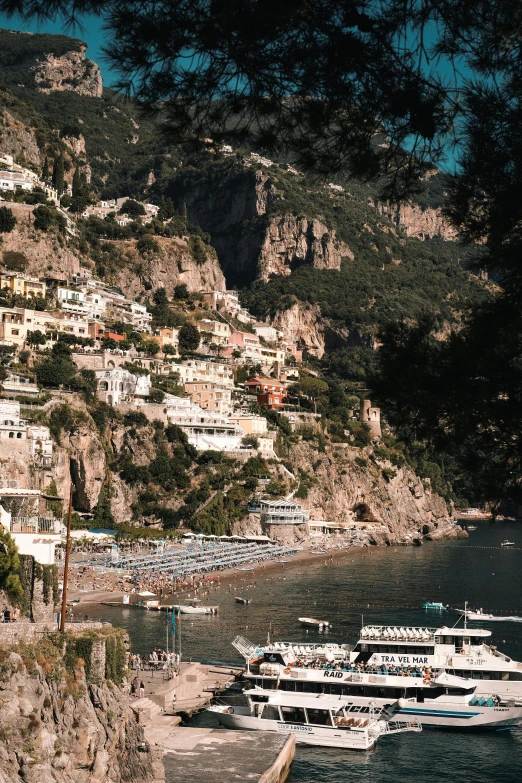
[
  {"x": 270, "y": 712},
  {"x": 319, "y": 717},
  {"x": 293, "y": 714},
  {"x": 477, "y": 640},
  {"x": 514, "y": 675},
  {"x": 365, "y": 709},
  {"x": 355, "y": 708}
]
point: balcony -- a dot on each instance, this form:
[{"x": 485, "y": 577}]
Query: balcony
[{"x": 35, "y": 525}]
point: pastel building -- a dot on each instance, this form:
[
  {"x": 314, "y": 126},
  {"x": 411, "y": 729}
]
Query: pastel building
[
  {"x": 210, "y": 396},
  {"x": 205, "y": 430},
  {"x": 269, "y": 391}
]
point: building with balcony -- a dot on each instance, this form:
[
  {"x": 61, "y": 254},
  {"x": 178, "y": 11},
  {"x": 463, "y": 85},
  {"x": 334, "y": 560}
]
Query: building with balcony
[
  {"x": 33, "y": 533},
  {"x": 118, "y": 385},
  {"x": 269, "y": 391},
  {"x": 205, "y": 430},
  {"x": 19, "y": 384},
  {"x": 202, "y": 370},
  {"x": 32, "y": 438},
  {"x": 250, "y": 424},
  {"x": 24, "y": 285},
  {"x": 283, "y": 512},
  {"x": 214, "y": 331},
  {"x": 210, "y": 396}
]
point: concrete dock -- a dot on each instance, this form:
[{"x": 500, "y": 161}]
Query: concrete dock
[
  {"x": 219, "y": 756},
  {"x": 204, "y": 755}
]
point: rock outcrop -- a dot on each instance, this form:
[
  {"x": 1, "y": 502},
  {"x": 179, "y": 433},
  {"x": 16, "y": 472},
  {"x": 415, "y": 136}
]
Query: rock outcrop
[
  {"x": 72, "y": 71},
  {"x": 253, "y": 233},
  {"x": 346, "y": 490},
  {"x": 46, "y": 256},
  {"x": 56, "y": 727},
  {"x": 19, "y": 141},
  {"x": 171, "y": 265},
  {"x": 291, "y": 242},
  {"x": 418, "y": 222}
]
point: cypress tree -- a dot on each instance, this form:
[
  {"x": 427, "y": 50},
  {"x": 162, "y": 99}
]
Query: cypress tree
[
  {"x": 45, "y": 169},
  {"x": 77, "y": 184},
  {"x": 58, "y": 174}
]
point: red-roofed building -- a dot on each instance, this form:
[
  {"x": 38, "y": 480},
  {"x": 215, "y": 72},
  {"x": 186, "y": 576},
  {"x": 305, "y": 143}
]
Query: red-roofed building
[{"x": 270, "y": 391}]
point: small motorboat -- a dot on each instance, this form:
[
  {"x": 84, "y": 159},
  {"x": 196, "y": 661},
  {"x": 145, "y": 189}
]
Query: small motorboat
[
  {"x": 436, "y": 605},
  {"x": 154, "y": 605},
  {"x": 469, "y": 614},
  {"x": 471, "y": 527},
  {"x": 507, "y": 543},
  {"x": 243, "y": 600},
  {"x": 309, "y": 622},
  {"x": 193, "y": 609}
]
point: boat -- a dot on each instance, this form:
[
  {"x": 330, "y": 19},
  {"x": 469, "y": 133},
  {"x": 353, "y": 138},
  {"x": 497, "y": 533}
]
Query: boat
[
  {"x": 151, "y": 605},
  {"x": 507, "y": 543},
  {"x": 193, "y": 608},
  {"x": 434, "y": 605},
  {"x": 392, "y": 662},
  {"x": 328, "y": 722},
  {"x": 309, "y": 622},
  {"x": 243, "y": 600},
  {"x": 471, "y": 527},
  {"x": 479, "y": 615}
]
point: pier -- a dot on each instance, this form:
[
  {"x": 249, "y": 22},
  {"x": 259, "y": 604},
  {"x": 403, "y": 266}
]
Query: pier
[{"x": 183, "y": 754}]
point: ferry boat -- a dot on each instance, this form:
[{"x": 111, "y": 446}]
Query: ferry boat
[
  {"x": 434, "y": 605},
  {"x": 395, "y": 662},
  {"x": 315, "y": 720}
]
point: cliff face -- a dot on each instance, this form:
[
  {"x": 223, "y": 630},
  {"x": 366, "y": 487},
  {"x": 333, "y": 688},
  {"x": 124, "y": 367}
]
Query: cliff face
[
  {"x": 56, "y": 728},
  {"x": 72, "y": 71},
  {"x": 240, "y": 212},
  {"x": 45, "y": 255},
  {"x": 290, "y": 242},
  {"x": 18, "y": 140},
  {"x": 420, "y": 223},
  {"x": 171, "y": 265},
  {"x": 347, "y": 491}
]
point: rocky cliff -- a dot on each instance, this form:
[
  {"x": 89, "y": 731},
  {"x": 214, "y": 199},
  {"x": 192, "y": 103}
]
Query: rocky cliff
[
  {"x": 418, "y": 222},
  {"x": 59, "y": 726},
  {"x": 18, "y": 140},
  {"x": 72, "y": 71},
  {"x": 303, "y": 324},
  {"x": 347, "y": 490},
  {"x": 171, "y": 265},
  {"x": 254, "y": 233}
]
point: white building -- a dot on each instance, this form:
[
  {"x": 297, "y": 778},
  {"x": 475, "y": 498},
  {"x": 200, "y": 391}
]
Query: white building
[
  {"x": 205, "y": 430},
  {"x": 267, "y": 332},
  {"x": 283, "y": 512},
  {"x": 32, "y": 438},
  {"x": 200, "y": 370},
  {"x": 33, "y": 534},
  {"x": 14, "y": 180},
  {"x": 119, "y": 385},
  {"x": 69, "y": 295}
]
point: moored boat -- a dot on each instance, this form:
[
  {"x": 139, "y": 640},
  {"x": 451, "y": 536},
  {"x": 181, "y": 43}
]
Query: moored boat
[
  {"x": 507, "y": 543},
  {"x": 309, "y": 622},
  {"x": 314, "y": 720},
  {"x": 243, "y": 600},
  {"x": 434, "y": 605}
]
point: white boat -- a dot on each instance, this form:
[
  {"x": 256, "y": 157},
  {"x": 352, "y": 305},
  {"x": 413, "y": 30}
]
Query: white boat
[
  {"x": 394, "y": 662},
  {"x": 471, "y": 527},
  {"x": 311, "y": 623},
  {"x": 507, "y": 543},
  {"x": 155, "y": 605},
  {"x": 190, "y": 609},
  {"x": 329, "y": 722},
  {"x": 479, "y": 615}
]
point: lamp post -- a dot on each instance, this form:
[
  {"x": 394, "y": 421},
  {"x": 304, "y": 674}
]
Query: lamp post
[{"x": 66, "y": 565}]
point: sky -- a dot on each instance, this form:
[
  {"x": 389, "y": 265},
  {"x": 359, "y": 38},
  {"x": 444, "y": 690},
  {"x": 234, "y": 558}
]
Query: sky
[{"x": 91, "y": 32}]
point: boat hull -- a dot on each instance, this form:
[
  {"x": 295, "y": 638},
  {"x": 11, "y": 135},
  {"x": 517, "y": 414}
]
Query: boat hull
[{"x": 304, "y": 734}]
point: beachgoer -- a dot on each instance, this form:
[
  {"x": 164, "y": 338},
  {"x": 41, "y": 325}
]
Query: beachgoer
[{"x": 142, "y": 689}]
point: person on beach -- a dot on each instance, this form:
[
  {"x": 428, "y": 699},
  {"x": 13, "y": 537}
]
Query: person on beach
[{"x": 142, "y": 689}]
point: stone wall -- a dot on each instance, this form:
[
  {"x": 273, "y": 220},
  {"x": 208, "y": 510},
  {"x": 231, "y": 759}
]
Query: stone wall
[{"x": 12, "y": 633}]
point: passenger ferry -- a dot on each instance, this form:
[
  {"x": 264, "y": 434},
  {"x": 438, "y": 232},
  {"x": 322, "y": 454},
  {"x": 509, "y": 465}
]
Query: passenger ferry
[
  {"x": 388, "y": 663},
  {"x": 315, "y": 720}
]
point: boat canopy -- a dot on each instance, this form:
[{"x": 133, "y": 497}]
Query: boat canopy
[
  {"x": 449, "y": 680},
  {"x": 459, "y": 631},
  {"x": 290, "y": 699}
]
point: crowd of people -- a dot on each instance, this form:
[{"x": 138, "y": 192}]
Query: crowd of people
[
  {"x": 402, "y": 670},
  {"x": 158, "y": 659}
]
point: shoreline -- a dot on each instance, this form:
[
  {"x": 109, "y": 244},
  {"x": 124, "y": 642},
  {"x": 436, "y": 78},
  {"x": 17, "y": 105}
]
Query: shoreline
[{"x": 215, "y": 580}]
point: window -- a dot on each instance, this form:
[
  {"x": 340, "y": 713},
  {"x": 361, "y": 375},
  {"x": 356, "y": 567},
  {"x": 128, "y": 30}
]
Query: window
[
  {"x": 18, "y": 434},
  {"x": 319, "y": 717},
  {"x": 270, "y": 712},
  {"x": 15, "y": 332},
  {"x": 293, "y": 714}
]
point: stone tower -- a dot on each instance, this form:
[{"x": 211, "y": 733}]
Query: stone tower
[{"x": 371, "y": 416}]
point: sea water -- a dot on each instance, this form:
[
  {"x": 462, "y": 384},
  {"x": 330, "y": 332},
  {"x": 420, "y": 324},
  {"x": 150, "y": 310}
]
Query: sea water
[{"x": 381, "y": 586}]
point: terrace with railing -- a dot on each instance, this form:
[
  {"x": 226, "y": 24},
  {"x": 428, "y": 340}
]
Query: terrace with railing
[{"x": 33, "y": 525}]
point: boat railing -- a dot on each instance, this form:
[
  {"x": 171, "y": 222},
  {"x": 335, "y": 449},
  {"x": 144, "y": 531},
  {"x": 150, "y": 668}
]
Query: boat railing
[{"x": 398, "y": 726}]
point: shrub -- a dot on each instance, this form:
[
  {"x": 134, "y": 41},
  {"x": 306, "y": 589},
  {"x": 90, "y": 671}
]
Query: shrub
[{"x": 7, "y": 220}]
